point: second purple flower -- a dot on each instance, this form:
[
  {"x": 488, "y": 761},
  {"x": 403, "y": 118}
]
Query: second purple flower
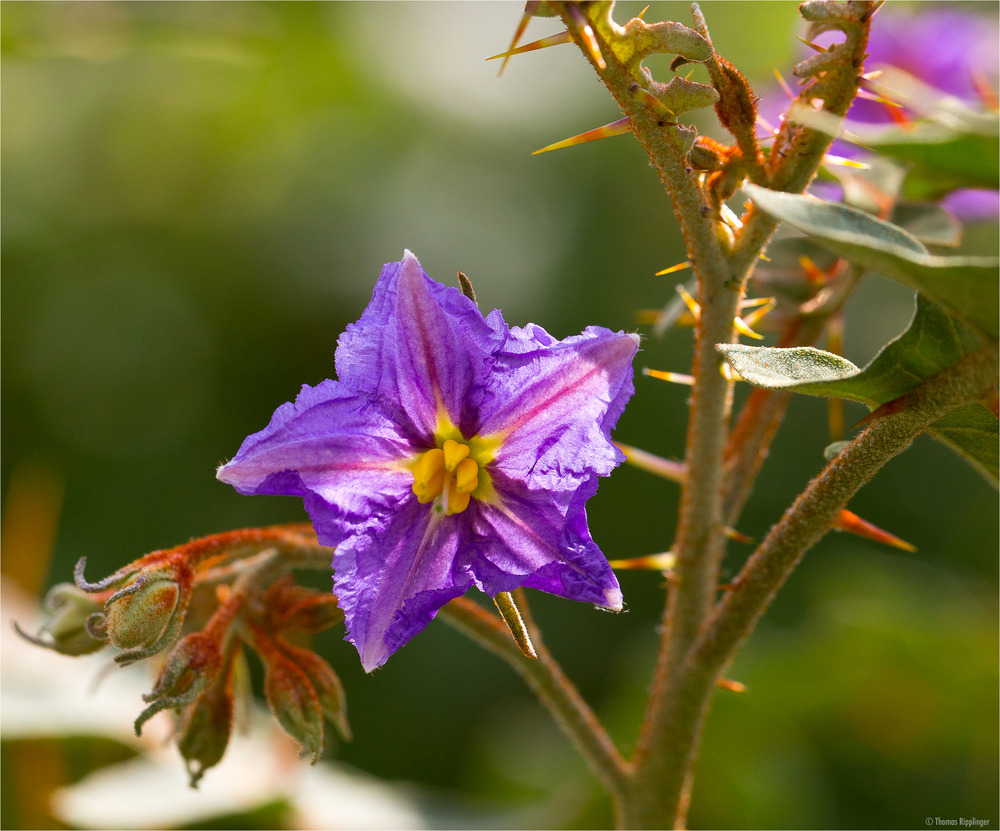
[{"x": 453, "y": 451}]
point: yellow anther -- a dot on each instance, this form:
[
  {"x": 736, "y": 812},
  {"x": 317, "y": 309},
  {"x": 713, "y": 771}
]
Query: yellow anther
[
  {"x": 467, "y": 476},
  {"x": 457, "y": 502},
  {"x": 428, "y": 475},
  {"x": 447, "y": 476},
  {"x": 453, "y": 454}
]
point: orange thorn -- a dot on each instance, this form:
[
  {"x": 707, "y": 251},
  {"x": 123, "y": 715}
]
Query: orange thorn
[
  {"x": 766, "y": 125},
  {"x": 615, "y": 128},
  {"x": 868, "y": 15},
  {"x": 737, "y": 536},
  {"x": 587, "y": 35},
  {"x": 887, "y": 409},
  {"x": 652, "y": 101},
  {"x": 673, "y": 268},
  {"x": 814, "y": 46},
  {"x": 760, "y": 312},
  {"x": 673, "y": 377},
  {"x": 743, "y": 328},
  {"x": 814, "y": 274},
  {"x": 897, "y": 114},
  {"x": 732, "y": 686},
  {"x": 840, "y": 161},
  {"x": 871, "y": 95},
  {"x": 529, "y": 9},
  {"x": 651, "y": 463},
  {"x": 784, "y": 85},
  {"x": 652, "y": 562},
  {"x": 852, "y": 523},
  {"x": 642, "y": 14},
  {"x": 755, "y": 302},
  {"x": 984, "y": 90},
  {"x": 649, "y": 316},
  {"x": 689, "y": 301},
  {"x": 551, "y": 40}
]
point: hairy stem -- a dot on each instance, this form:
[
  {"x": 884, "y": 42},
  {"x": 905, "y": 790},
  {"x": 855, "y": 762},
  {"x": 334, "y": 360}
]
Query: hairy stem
[{"x": 811, "y": 515}]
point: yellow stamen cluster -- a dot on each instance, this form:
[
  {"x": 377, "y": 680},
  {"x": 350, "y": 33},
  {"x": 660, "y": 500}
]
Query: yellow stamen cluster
[{"x": 446, "y": 472}]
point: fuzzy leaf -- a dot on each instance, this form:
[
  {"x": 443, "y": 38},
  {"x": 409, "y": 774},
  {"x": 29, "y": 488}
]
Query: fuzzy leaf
[
  {"x": 966, "y": 286},
  {"x": 934, "y": 341},
  {"x": 929, "y": 223},
  {"x": 681, "y": 95},
  {"x": 799, "y": 369},
  {"x": 973, "y": 432}
]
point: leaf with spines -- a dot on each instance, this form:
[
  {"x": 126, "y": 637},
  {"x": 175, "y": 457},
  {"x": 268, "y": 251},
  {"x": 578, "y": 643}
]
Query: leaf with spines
[
  {"x": 934, "y": 341},
  {"x": 966, "y": 286}
]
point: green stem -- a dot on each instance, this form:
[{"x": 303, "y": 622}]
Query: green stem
[
  {"x": 803, "y": 524},
  {"x": 700, "y": 539}
]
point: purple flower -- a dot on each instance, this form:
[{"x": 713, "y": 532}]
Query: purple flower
[{"x": 452, "y": 451}]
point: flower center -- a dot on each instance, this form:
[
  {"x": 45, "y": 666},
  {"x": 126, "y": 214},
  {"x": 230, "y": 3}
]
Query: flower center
[{"x": 448, "y": 475}]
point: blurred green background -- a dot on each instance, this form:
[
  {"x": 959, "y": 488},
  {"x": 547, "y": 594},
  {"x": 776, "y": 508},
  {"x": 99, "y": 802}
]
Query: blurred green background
[{"x": 198, "y": 197}]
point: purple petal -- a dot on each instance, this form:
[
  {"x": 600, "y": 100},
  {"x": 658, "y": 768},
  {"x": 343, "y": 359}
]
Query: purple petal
[
  {"x": 555, "y": 403},
  {"x": 420, "y": 346},
  {"x": 943, "y": 48},
  {"x": 525, "y": 538},
  {"x": 973, "y": 204},
  {"x": 334, "y": 448},
  {"x": 391, "y": 584}
]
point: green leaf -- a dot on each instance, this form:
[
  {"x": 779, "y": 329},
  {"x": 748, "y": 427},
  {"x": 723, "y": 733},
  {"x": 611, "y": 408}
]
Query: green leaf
[
  {"x": 934, "y": 341},
  {"x": 967, "y": 286},
  {"x": 929, "y": 223},
  {"x": 973, "y": 432},
  {"x": 798, "y": 369},
  {"x": 942, "y": 159}
]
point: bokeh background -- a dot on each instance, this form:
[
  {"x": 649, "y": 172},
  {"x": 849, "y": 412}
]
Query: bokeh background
[{"x": 198, "y": 197}]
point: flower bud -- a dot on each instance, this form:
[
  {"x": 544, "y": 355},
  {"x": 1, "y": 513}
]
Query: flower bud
[
  {"x": 66, "y": 630},
  {"x": 136, "y": 620},
  {"x": 191, "y": 667},
  {"x": 206, "y": 729},
  {"x": 707, "y": 154},
  {"x": 329, "y": 690},
  {"x": 295, "y": 704}
]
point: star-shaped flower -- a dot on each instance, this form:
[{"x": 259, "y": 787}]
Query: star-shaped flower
[{"x": 452, "y": 451}]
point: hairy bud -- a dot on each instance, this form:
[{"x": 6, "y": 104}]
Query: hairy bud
[
  {"x": 191, "y": 667},
  {"x": 329, "y": 691},
  {"x": 206, "y": 728},
  {"x": 137, "y": 619},
  {"x": 294, "y": 703},
  {"x": 69, "y": 628}
]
